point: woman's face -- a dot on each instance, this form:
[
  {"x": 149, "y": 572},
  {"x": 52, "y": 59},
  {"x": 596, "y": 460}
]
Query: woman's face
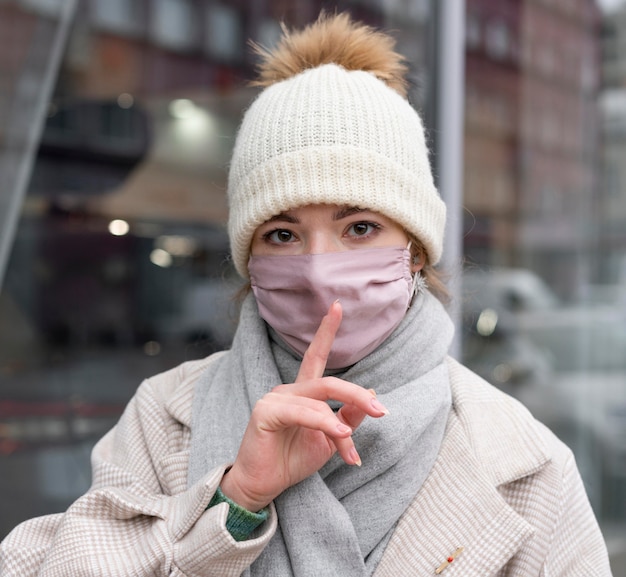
[{"x": 320, "y": 228}]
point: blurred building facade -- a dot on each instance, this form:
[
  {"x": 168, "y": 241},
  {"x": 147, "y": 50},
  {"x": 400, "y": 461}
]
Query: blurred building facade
[{"x": 532, "y": 136}]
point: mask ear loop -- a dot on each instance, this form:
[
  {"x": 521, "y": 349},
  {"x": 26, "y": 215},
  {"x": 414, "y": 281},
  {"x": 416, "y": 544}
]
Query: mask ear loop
[{"x": 419, "y": 282}]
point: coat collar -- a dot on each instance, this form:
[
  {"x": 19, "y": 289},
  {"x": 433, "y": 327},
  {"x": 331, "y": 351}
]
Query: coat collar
[
  {"x": 490, "y": 441},
  {"x": 503, "y": 436}
]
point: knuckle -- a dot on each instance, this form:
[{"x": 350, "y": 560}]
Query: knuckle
[
  {"x": 260, "y": 405},
  {"x": 332, "y": 384},
  {"x": 266, "y": 402}
]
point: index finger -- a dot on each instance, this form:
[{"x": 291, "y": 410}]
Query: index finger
[{"x": 316, "y": 356}]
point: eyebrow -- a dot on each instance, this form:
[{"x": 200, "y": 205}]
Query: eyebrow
[
  {"x": 283, "y": 217},
  {"x": 347, "y": 211}
]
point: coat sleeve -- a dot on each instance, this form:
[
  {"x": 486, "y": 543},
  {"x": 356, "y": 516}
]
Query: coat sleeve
[
  {"x": 577, "y": 546},
  {"x": 139, "y": 517}
]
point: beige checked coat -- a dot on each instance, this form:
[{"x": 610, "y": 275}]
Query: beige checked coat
[{"x": 503, "y": 488}]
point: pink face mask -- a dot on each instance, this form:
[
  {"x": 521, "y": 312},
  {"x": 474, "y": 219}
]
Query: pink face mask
[{"x": 294, "y": 293}]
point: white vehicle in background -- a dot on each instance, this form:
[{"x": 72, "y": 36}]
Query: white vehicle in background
[{"x": 566, "y": 363}]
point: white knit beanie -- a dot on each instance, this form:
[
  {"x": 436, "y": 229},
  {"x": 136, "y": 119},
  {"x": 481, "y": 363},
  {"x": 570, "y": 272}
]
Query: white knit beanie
[{"x": 333, "y": 136}]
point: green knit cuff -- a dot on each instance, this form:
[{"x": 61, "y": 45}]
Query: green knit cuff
[{"x": 240, "y": 522}]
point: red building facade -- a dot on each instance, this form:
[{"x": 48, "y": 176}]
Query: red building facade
[{"x": 532, "y": 135}]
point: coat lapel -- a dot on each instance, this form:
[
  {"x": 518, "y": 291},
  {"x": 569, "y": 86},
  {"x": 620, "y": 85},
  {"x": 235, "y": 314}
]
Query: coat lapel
[
  {"x": 459, "y": 505},
  {"x": 179, "y": 403},
  {"x": 173, "y": 466}
]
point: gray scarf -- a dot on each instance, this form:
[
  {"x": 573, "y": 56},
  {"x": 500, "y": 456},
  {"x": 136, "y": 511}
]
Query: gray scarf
[{"x": 339, "y": 520}]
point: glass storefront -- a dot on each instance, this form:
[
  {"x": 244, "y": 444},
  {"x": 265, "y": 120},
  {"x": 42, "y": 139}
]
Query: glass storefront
[{"x": 113, "y": 213}]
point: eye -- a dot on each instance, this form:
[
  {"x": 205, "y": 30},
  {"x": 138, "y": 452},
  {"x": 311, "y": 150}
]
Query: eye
[
  {"x": 362, "y": 228},
  {"x": 279, "y": 236}
]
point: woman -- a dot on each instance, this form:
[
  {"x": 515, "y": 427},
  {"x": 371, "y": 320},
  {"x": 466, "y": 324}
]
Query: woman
[{"x": 380, "y": 455}]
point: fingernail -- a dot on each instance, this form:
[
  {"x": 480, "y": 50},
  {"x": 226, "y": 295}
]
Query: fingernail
[
  {"x": 379, "y": 406},
  {"x": 343, "y": 429},
  {"x": 372, "y": 392},
  {"x": 355, "y": 457}
]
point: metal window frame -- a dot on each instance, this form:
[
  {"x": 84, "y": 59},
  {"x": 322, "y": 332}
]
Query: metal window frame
[{"x": 32, "y": 93}]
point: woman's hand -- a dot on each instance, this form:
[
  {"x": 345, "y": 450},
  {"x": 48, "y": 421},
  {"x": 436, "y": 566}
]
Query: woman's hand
[{"x": 293, "y": 432}]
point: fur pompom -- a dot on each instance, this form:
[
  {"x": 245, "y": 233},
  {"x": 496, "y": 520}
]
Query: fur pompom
[{"x": 333, "y": 39}]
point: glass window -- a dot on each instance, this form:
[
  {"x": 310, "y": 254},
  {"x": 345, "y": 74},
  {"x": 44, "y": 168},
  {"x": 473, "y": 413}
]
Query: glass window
[
  {"x": 268, "y": 32},
  {"x": 497, "y": 40},
  {"x": 120, "y": 16},
  {"x": 473, "y": 33},
  {"x": 44, "y": 7},
  {"x": 173, "y": 23},
  {"x": 224, "y": 38}
]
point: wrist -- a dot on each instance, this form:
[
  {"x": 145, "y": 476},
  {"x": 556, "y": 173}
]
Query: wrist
[
  {"x": 240, "y": 522},
  {"x": 231, "y": 488}
]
